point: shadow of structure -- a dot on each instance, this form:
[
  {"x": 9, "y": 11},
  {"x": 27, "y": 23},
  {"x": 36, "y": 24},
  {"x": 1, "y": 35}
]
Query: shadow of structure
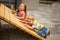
[{"x": 8, "y": 32}]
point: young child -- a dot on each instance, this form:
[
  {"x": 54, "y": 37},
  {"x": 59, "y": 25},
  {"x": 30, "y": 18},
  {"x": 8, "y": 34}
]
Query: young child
[
  {"x": 21, "y": 11},
  {"x": 42, "y": 30}
]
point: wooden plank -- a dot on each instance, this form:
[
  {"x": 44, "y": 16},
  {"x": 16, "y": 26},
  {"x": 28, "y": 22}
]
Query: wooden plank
[{"x": 6, "y": 15}]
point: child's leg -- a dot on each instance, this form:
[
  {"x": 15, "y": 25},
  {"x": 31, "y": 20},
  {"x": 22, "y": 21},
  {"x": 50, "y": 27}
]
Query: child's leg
[
  {"x": 45, "y": 29},
  {"x": 41, "y": 33}
]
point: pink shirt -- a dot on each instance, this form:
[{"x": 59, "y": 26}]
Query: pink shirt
[{"x": 20, "y": 14}]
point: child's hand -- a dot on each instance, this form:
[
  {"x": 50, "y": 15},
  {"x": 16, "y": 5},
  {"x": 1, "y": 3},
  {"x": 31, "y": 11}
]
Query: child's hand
[{"x": 13, "y": 12}]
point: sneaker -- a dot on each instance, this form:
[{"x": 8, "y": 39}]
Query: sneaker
[
  {"x": 45, "y": 36},
  {"x": 48, "y": 33}
]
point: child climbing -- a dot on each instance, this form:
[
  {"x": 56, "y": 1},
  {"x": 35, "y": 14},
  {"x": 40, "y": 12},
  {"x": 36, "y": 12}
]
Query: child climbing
[
  {"x": 21, "y": 11},
  {"x": 42, "y": 30}
]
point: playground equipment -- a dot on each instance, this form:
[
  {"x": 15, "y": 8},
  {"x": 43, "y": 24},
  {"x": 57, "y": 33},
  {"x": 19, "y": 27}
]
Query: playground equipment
[{"x": 6, "y": 15}]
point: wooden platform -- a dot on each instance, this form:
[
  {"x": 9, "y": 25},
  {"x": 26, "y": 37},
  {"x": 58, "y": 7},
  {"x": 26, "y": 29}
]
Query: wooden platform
[{"x": 6, "y": 15}]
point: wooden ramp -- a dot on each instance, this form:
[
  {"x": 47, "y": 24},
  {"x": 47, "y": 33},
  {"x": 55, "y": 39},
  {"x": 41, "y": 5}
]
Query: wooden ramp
[{"x": 6, "y": 15}]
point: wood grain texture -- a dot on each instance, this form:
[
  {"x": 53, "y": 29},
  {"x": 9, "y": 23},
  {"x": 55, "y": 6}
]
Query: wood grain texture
[{"x": 6, "y": 15}]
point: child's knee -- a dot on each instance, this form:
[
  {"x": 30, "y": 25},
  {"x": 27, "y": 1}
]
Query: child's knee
[{"x": 41, "y": 33}]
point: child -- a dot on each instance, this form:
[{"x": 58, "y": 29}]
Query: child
[
  {"x": 22, "y": 11},
  {"x": 41, "y": 29}
]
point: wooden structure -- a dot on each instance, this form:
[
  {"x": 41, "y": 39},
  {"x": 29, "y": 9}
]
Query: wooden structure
[{"x": 6, "y": 15}]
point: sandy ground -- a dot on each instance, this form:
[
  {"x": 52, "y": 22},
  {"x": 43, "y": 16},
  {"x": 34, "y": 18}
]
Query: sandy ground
[{"x": 45, "y": 14}]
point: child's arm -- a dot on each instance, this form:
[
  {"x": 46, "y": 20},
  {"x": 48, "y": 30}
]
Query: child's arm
[
  {"x": 13, "y": 12},
  {"x": 30, "y": 27},
  {"x": 12, "y": 9}
]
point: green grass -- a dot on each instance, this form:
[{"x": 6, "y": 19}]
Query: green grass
[{"x": 45, "y": 2}]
